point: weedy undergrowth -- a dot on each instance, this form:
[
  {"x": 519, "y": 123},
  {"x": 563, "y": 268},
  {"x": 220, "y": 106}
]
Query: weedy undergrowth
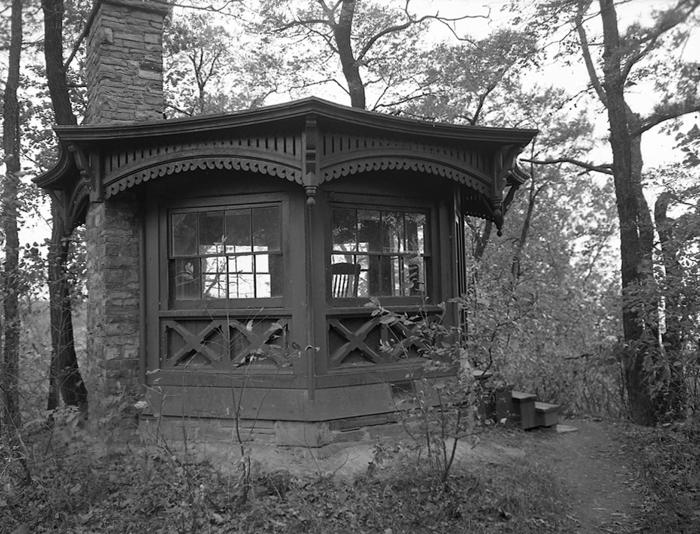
[{"x": 440, "y": 410}]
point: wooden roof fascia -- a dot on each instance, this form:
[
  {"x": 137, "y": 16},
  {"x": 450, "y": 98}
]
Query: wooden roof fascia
[{"x": 296, "y": 112}]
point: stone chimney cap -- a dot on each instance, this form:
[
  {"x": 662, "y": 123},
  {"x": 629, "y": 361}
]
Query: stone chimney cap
[{"x": 152, "y": 6}]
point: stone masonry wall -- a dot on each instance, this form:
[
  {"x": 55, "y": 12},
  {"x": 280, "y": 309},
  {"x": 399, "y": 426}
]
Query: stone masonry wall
[
  {"x": 113, "y": 248},
  {"x": 125, "y": 62},
  {"x": 124, "y": 75}
]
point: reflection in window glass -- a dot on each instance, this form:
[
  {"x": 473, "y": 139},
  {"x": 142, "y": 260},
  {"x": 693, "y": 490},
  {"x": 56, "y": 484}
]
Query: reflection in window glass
[
  {"x": 184, "y": 233},
  {"x": 185, "y": 276},
  {"x": 344, "y": 229},
  {"x": 392, "y": 232},
  {"x": 211, "y": 232},
  {"x": 238, "y": 231},
  {"x": 389, "y": 246},
  {"x": 415, "y": 232},
  {"x": 369, "y": 235},
  {"x": 226, "y": 254},
  {"x": 266, "y": 228}
]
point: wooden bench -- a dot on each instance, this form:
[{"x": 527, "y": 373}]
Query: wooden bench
[{"x": 524, "y": 409}]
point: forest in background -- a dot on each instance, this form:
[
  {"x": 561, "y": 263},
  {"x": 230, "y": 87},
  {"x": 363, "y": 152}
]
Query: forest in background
[{"x": 590, "y": 298}]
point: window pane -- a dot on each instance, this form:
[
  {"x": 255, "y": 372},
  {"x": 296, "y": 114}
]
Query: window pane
[
  {"x": 363, "y": 282},
  {"x": 415, "y": 232},
  {"x": 415, "y": 274},
  {"x": 215, "y": 286},
  {"x": 342, "y": 258},
  {"x": 241, "y": 286},
  {"x": 276, "y": 275},
  {"x": 392, "y": 231},
  {"x": 238, "y": 231},
  {"x": 185, "y": 276},
  {"x": 344, "y": 229},
  {"x": 390, "y": 248},
  {"x": 262, "y": 263},
  {"x": 214, "y": 265},
  {"x": 369, "y": 235},
  {"x": 266, "y": 228},
  {"x": 234, "y": 254},
  {"x": 211, "y": 232},
  {"x": 262, "y": 286},
  {"x": 184, "y": 232}
]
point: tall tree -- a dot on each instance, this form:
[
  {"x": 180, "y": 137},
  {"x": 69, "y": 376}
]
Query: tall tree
[
  {"x": 478, "y": 82},
  {"x": 214, "y": 69},
  {"x": 631, "y": 57},
  {"x": 64, "y": 375},
  {"x": 365, "y": 36},
  {"x": 11, "y": 141}
]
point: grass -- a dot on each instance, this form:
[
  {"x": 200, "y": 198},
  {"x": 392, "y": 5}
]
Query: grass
[
  {"x": 669, "y": 463},
  {"x": 76, "y": 489}
]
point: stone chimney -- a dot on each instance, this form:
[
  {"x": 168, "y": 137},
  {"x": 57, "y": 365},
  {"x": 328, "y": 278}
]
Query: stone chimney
[
  {"x": 125, "y": 61},
  {"x": 125, "y": 85}
]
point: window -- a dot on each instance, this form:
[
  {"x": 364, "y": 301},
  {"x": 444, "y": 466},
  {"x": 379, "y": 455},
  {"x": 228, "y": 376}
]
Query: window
[
  {"x": 387, "y": 247},
  {"x": 232, "y": 253}
]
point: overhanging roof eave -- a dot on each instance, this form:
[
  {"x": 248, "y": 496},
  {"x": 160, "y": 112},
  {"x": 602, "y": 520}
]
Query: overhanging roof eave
[
  {"x": 292, "y": 112},
  {"x": 65, "y": 171}
]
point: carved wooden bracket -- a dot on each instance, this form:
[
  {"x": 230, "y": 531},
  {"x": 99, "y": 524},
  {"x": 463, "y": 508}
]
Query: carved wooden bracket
[
  {"x": 88, "y": 167},
  {"x": 310, "y": 165},
  {"x": 505, "y": 165}
]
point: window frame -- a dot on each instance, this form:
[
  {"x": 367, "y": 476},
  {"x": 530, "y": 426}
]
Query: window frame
[
  {"x": 386, "y": 203},
  {"x": 223, "y": 203}
]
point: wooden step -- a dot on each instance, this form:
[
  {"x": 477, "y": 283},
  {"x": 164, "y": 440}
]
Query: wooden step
[
  {"x": 524, "y": 409},
  {"x": 546, "y": 414}
]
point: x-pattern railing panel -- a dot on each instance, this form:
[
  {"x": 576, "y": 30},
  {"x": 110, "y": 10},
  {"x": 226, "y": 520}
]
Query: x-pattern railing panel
[
  {"x": 195, "y": 341},
  {"x": 354, "y": 341},
  {"x": 257, "y": 343}
]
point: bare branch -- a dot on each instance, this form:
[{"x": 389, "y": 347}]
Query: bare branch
[
  {"x": 446, "y": 23},
  {"x": 585, "y": 49},
  {"x": 304, "y": 23},
  {"x": 403, "y": 100},
  {"x": 210, "y": 8},
  {"x": 666, "y": 22},
  {"x": 592, "y": 167},
  {"x": 81, "y": 37},
  {"x": 665, "y": 113},
  {"x": 386, "y": 31},
  {"x": 179, "y": 110},
  {"x": 412, "y": 22}
]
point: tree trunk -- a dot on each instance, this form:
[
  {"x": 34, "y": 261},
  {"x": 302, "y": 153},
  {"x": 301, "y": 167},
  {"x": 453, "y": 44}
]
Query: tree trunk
[
  {"x": 482, "y": 240},
  {"x": 672, "y": 338},
  {"x": 64, "y": 373},
  {"x": 342, "y": 32},
  {"x": 515, "y": 268},
  {"x": 640, "y": 343},
  {"x": 11, "y": 146}
]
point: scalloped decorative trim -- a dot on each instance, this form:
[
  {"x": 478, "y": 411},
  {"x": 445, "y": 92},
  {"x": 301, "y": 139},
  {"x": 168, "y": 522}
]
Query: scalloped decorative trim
[
  {"x": 270, "y": 168},
  {"x": 472, "y": 178}
]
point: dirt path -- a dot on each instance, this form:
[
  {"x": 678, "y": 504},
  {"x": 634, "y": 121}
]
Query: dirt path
[
  {"x": 590, "y": 465},
  {"x": 593, "y": 469}
]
